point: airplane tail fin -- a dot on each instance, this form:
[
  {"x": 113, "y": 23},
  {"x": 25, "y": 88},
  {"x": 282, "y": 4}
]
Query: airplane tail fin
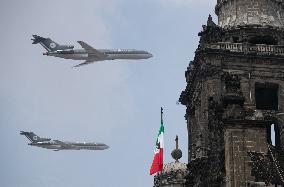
[
  {"x": 33, "y": 137},
  {"x": 48, "y": 44}
]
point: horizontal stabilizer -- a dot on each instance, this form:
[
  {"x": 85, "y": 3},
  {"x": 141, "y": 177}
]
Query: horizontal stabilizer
[{"x": 37, "y": 39}]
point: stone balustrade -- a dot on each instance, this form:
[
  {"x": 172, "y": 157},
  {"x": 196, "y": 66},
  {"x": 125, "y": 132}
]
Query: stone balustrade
[{"x": 260, "y": 49}]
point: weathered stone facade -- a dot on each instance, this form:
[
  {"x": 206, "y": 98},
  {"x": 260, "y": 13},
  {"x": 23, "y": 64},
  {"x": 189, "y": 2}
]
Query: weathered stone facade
[{"x": 234, "y": 93}]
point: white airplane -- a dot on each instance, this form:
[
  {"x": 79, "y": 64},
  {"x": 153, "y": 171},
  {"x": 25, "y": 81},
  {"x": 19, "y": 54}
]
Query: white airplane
[
  {"x": 88, "y": 53},
  {"x": 57, "y": 145}
]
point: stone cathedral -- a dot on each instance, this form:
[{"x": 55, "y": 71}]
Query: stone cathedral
[{"x": 234, "y": 99}]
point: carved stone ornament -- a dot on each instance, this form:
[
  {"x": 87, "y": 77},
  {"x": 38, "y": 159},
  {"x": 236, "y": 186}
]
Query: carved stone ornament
[{"x": 232, "y": 82}]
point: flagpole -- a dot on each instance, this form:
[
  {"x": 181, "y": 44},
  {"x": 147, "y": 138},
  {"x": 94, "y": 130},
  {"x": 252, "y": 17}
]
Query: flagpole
[
  {"x": 162, "y": 123},
  {"x": 161, "y": 114}
]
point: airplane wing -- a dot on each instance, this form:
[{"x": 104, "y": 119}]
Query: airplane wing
[
  {"x": 60, "y": 142},
  {"x": 91, "y": 50},
  {"x": 63, "y": 144},
  {"x": 84, "y": 63}
]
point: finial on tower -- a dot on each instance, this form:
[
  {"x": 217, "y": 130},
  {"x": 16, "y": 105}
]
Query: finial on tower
[
  {"x": 177, "y": 153},
  {"x": 176, "y": 141}
]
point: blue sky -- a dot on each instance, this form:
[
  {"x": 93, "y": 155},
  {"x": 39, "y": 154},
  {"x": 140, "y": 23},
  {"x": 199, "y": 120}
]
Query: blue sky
[{"x": 116, "y": 102}]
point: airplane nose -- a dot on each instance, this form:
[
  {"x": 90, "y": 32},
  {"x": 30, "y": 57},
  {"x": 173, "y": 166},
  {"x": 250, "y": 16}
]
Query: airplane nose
[{"x": 150, "y": 55}]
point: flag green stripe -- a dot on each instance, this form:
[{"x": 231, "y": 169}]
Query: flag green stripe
[
  {"x": 160, "y": 135},
  {"x": 162, "y": 130}
]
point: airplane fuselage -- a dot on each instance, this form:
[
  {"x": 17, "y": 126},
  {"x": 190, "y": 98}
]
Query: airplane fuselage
[
  {"x": 57, "y": 145},
  {"x": 70, "y": 145},
  {"x": 88, "y": 53},
  {"x": 82, "y": 54}
]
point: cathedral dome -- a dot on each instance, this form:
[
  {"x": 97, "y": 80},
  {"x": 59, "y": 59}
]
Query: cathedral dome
[
  {"x": 233, "y": 13},
  {"x": 178, "y": 169}
]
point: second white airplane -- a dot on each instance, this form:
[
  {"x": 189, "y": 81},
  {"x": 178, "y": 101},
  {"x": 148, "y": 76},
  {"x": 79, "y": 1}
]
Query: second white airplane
[{"x": 88, "y": 53}]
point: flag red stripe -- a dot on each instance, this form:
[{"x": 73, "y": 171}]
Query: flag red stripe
[{"x": 157, "y": 164}]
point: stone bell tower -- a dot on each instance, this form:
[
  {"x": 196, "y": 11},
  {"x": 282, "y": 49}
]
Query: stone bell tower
[{"x": 235, "y": 94}]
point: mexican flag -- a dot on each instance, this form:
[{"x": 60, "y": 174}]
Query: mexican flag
[{"x": 158, "y": 161}]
